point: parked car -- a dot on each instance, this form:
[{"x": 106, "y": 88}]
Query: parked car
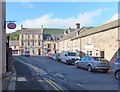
[
  {"x": 49, "y": 55},
  {"x": 93, "y": 63},
  {"x": 58, "y": 57},
  {"x": 25, "y": 53},
  {"x": 52, "y": 56},
  {"x": 69, "y": 57},
  {"x": 116, "y": 68}
]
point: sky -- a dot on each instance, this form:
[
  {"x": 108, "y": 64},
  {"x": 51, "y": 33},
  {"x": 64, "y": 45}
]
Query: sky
[{"x": 60, "y": 14}]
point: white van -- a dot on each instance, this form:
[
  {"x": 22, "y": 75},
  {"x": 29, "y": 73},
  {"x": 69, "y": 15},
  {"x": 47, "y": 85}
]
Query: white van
[{"x": 69, "y": 57}]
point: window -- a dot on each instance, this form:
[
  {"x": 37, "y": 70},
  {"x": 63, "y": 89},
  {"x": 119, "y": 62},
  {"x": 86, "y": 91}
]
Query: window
[
  {"x": 22, "y": 43},
  {"x": 118, "y": 60},
  {"x": 38, "y": 43},
  {"x": 33, "y": 51},
  {"x": 22, "y": 36},
  {"x": 39, "y": 36},
  {"x": 72, "y": 54},
  {"x": 33, "y": 36},
  {"x": 97, "y": 58},
  {"x": 91, "y": 53},
  {"x": 14, "y": 47},
  {"x": 33, "y": 43},
  {"x": 87, "y": 52},
  {"x": 28, "y": 43},
  {"x": 87, "y": 58},
  {"x": 82, "y": 59},
  {"x": 28, "y": 36},
  {"x": 49, "y": 45}
]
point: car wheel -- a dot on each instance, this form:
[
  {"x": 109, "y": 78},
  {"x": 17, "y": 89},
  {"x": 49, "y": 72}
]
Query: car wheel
[
  {"x": 117, "y": 74},
  {"x": 67, "y": 62},
  {"x": 89, "y": 68}
]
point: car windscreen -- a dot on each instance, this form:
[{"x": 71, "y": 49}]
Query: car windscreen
[
  {"x": 27, "y": 51},
  {"x": 97, "y": 58},
  {"x": 118, "y": 60},
  {"x": 72, "y": 54}
]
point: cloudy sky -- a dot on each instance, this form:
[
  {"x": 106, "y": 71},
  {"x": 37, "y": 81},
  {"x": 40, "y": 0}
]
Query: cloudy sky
[{"x": 60, "y": 14}]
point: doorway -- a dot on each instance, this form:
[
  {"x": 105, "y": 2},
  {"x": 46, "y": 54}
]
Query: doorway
[
  {"x": 39, "y": 52},
  {"x": 102, "y": 54}
]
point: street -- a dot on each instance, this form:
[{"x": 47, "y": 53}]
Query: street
[{"x": 65, "y": 77}]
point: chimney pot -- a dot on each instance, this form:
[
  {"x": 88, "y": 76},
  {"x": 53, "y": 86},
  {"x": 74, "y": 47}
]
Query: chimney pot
[
  {"x": 78, "y": 25},
  {"x": 21, "y": 26}
]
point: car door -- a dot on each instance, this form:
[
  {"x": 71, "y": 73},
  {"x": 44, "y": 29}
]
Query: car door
[
  {"x": 86, "y": 61},
  {"x": 117, "y": 64},
  {"x": 82, "y": 63}
]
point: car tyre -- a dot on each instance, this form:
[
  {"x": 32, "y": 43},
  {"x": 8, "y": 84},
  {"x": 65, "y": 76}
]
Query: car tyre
[
  {"x": 117, "y": 74},
  {"x": 67, "y": 62},
  {"x": 89, "y": 68}
]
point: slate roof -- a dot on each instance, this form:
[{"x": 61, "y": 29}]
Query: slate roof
[
  {"x": 14, "y": 43},
  {"x": 102, "y": 28},
  {"x": 52, "y": 37},
  {"x": 70, "y": 35},
  {"x": 31, "y": 30},
  {"x": 73, "y": 34},
  {"x": 53, "y": 31}
]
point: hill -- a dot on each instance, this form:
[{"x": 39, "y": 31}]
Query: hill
[{"x": 15, "y": 35}]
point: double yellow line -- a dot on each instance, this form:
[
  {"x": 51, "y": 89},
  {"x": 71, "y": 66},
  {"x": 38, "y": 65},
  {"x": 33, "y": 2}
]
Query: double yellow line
[
  {"x": 54, "y": 85},
  {"x": 50, "y": 82}
]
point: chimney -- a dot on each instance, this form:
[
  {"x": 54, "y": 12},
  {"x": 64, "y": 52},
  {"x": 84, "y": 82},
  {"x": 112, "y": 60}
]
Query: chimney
[
  {"x": 42, "y": 28},
  {"x": 78, "y": 25},
  {"x": 21, "y": 26}
]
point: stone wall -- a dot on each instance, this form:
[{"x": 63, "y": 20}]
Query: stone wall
[{"x": 106, "y": 41}]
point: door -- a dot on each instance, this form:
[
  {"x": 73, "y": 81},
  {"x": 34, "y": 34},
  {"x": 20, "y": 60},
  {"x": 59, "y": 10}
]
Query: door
[
  {"x": 39, "y": 52},
  {"x": 102, "y": 54}
]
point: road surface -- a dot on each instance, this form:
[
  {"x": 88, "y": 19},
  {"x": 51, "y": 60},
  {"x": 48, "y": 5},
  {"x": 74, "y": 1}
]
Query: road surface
[{"x": 67, "y": 77}]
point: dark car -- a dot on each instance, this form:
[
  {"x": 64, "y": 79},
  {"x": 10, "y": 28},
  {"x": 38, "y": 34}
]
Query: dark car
[{"x": 116, "y": 68}]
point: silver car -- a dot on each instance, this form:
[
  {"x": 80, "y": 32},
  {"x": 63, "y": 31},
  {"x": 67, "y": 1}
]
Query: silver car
[
  {"x": 93, "y": 63},
  {"x": 116, "y": 68}
]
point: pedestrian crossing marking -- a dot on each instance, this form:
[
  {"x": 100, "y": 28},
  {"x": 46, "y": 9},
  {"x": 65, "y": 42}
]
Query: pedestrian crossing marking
[{"x": 21, "y": 79}]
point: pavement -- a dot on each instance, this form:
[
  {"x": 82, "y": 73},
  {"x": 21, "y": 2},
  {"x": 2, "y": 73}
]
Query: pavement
[
  {"x": 12, "y": 79},
  {"x": 44, "y": 84}
]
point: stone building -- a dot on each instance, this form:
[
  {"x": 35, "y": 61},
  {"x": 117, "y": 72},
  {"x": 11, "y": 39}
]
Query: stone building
[
  {"x": 49, "y": 41},
  {"x": 14, "y": 44},
  {"x": 31, "y": 39},
  {"x": 100, "y": 41},
  {"x": 39, "y": 41},
  {"x": 66, "y": 44}
]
